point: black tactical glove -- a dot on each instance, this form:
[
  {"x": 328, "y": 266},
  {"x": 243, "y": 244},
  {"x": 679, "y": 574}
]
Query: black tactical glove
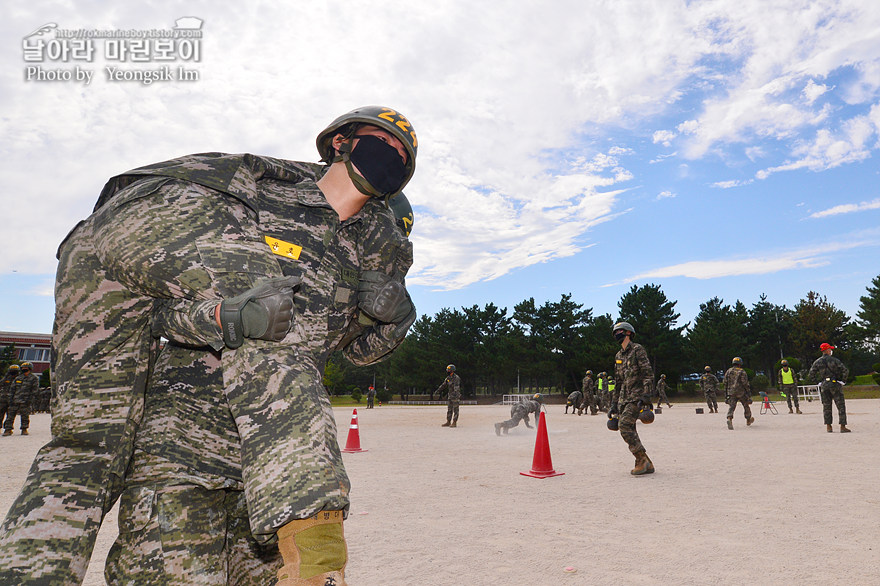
[
  {"x": 613, "y": 411},
  {"x": 382, "y": 298},
  {"x": 263, "y": 312}
]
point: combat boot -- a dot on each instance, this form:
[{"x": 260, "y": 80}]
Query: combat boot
[
  {"x": 730, "y": 423},
  {"x": 447, "y": 424},
  {"x": 843, "y": 428},
  {"x": 828, "y": 428},
  {"x": 313, "y": 551},
  {"x": 454, "y": 424},
  {"x": 798, "y": 411},
  {"x": 498, "y": 429},
  {"x": 643, "y": 465},
  {"x": 25, "y": 432},
  {"x": 790, "y": 411},
  {"x": 750, "y": 420},
  {"x": 7, "y": 432}
]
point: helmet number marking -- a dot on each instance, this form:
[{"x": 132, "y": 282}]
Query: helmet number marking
[{"x": 399, "y": 121}]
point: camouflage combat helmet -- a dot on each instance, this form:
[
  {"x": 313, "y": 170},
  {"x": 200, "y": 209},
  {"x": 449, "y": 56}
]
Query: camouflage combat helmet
[
  {"x": 14, "y": 367},
  {"x": 785, "y": 363},
  {"x": 385, "y": 118},
  {"x": 403, "y": 213},
  {"x": 622, "y": 325},
  {"x": 708, "y": 369},
  {"x": 589, "y": 373},
  {"x": 27, "y": 366},
  {"x": 450, "y": 368},
  {"x": 737, "y": 361}
]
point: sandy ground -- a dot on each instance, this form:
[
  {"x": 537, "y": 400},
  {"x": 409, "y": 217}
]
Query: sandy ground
[{"x": 780, "y": 502}]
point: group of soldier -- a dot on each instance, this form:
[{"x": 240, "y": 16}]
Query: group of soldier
[{"x": 20, "y": 395}]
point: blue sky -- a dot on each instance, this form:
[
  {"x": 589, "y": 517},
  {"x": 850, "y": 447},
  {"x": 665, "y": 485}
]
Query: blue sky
[{"x": 720, "y": 148}]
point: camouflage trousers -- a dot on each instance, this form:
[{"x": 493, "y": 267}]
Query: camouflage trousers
[
  {"x": 23, "y": 411},
  {"x": 183, "y": 243},
  {"x": 591, "y": 402},
  {"x": 629, "y": 414},
  {"x": 832, "y": 392},
  {"x": 791, "y": 393},
  {"x": 711, "y": 401},
  {"x": 514, "y": 421},
  {"x": 452, "y": 410},
  {"x": 746, "y": 402}
]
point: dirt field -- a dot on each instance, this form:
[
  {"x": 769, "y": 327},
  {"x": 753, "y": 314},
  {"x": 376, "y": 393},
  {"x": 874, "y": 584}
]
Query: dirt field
[{"x": 781, "y": 502}]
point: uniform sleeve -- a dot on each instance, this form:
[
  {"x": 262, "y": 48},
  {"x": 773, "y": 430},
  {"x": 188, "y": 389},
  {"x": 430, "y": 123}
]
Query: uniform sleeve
[
  {"x": 375, "y": 343},
  {"x": 645, "y": 369}
]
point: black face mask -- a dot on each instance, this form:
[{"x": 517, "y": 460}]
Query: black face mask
[
  {"x": 619, "y": 336},
  {"x": 379, "y": 163}
]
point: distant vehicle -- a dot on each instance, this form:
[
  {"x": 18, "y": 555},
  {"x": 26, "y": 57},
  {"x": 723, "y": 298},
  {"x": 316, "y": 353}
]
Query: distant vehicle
[{"x": 694, "y": 376}]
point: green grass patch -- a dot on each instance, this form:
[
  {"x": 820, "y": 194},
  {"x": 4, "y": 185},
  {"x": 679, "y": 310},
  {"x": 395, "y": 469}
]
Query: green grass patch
[{"x": 347, "y": 401}]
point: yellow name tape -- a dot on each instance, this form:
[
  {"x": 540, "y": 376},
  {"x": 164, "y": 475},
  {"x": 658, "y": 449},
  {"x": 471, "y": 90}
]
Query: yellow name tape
[{"x": 282, "y": 248}]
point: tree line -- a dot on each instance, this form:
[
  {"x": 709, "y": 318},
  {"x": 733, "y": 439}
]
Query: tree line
[{"x": 548, "y": 347}]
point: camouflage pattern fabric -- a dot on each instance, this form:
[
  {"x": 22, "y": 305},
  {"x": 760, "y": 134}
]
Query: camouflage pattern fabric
[
  {"x": 520, "y": 412},
  {"x": 790, "y": 389},
  {"x": 633, "y": 379},
  {"x": 452, "y": 386},
  {"x": 184, "y": 242},
  {"x": 574, "y": 401},
  {"x": 709, "y": 386},
  {"x": 188, "y": 443},
  {"x": 22, "y": 391},
  {"x": 736, "y": 386},
  {"x": 660, "y": 391},
  {"x": 4, "y": 394},
  {"x": 829, "y": 372},
  {"x": 591, "y": 400},
  {"x": 629, "y": 415}
]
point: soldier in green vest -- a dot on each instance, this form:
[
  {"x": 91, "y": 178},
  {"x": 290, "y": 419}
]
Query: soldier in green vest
[{"x": 786, "y": 381}]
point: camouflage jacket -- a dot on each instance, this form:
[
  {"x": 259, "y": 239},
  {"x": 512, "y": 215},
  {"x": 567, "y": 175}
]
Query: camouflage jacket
[
  {"x": 736, "y": 383},
  {"x": 23, "y": 389},
  {"x": 524, "y": 408},
  {"x": 575, "y": 398},
  {"x": 661, "y": 386},
  {"x": 304, "y": 232},
  {"x": 828, "y": 369},
  {"x": 588, "y": 386},
  {"x": 5, "y": 383},
  {"x": 452, "y": 386},
  {"x": 633, "y": 376},
  {"x": 708, "y": 383}
]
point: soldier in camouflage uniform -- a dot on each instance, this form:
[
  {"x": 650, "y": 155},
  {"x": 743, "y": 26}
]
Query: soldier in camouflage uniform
[
  {"x": 520, "y": 412},
  {"x": 588, "y": 387},
  {"x": 169, "y": 247},
  {"x": 736, "y": 387},
  {"x": 575, "y": 401},
  {"x": 187, "y": 459},
  {"x": 22, "y": 391},
  {"x": 787, "y": 383},
  {"x": 604, "y": 397},
  {"x": 634, "y": 378},
  {"x": 11, "y": 373},
  {"x": 660, "y": 391},
  {"x": 451, "y": 385},
  {"x": 830, "y": 373},
  {"x": 709, "y": 386}
]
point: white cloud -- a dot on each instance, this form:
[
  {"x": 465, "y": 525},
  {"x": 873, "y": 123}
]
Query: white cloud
[
  {"x": 848, "y": 208},
  {"x": 665, "y": 195},
  {"x": 812, "y": 91},
  {"x": 730, "y": 184},
  {"x": 498, "y": 98},
  {"x": 809, "y": 257},
  {"x": 664, "y": 137}
]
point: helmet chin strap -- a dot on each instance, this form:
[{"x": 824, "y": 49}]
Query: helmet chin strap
[{"x": 357, "y": 179}]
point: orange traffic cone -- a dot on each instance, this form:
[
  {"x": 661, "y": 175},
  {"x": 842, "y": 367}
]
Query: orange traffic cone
[
  {"x": 353, "y": 443},
  {"x": 766, "y": 402},
  {"x": 542, "y": 464}
]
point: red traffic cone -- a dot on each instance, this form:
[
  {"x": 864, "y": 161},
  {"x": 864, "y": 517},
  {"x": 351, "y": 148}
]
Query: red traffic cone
[
  {"x": 542, "y": 465},
  {"x": 353, "y": 443},
  {"x": 766, "y": 401}
]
